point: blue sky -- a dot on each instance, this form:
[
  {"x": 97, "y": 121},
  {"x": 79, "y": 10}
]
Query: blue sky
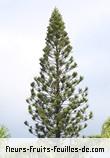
[{"x": 22, "y": 38}]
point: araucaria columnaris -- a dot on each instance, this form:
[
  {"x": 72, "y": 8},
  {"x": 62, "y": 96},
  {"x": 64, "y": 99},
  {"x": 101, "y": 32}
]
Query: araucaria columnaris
[{"x": 57, "y": 105}]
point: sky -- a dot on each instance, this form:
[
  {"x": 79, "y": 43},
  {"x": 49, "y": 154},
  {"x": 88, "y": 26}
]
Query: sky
[{"x": 23, "y": 26}]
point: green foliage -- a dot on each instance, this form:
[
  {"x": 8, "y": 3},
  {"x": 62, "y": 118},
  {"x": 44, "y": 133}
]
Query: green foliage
[
  {"x": 57, "y": 106},
  {"x": 105, "y": 133},
  {"x": 106, "y": 129},
  {"x": 4, "y": 132},
  {"x": 96, "y": 136}
]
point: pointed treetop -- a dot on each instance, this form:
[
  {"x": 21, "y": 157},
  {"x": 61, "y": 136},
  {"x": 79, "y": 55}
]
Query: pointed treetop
[
  {"x": 56, "y": 14},
  {"x": 55, "y": 11},
  {"x": 56, "y": 17}
]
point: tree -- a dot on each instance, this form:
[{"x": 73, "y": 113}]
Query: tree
[
  {"x": 106, "y": 129},
  {"x": 3, "y": 132},
  {"x": 57, "y": 106}
]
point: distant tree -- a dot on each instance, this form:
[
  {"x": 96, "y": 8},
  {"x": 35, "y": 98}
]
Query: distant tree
[
  {"x": 106, "y": 129},
  {"x": 57, "y": 105},
  {"x": 4, "y": 132}
]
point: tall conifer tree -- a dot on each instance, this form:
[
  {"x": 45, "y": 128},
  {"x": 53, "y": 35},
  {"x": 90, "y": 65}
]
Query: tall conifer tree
[{"x": 57, "y": 105}]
